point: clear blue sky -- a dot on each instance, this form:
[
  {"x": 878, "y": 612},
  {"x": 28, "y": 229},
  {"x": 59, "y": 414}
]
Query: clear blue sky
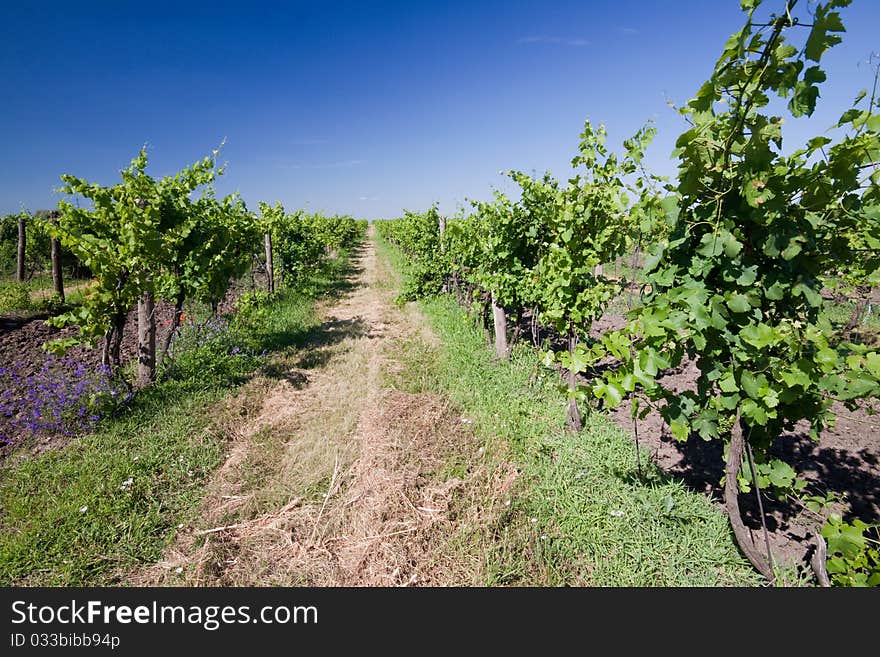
[{"x": 358, "y": 107}]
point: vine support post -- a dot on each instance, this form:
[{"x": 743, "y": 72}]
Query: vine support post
[
  {"x": 55, "y": 256},
  {"x": 270, "y": 273},
  {"x": 22, "y": 244},
  {"x": 146, "y": 339},
  {"x": 500, "y": 322},
  {"x": 441, "y": 229},
  {"x": 573, "y": 418},
  {"x": 536, "y": 328}
]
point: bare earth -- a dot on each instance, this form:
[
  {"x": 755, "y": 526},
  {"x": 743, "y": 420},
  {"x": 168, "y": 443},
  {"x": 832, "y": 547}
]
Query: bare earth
[{"x": 333, "y": 476}]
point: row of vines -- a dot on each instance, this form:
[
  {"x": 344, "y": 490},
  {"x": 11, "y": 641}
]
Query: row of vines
[
  {"x": 137, "y": 244},
  {"x": 732, "y": 260}
]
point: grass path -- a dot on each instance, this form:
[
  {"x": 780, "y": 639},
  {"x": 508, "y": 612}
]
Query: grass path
[{"x": 335, "y": 475}]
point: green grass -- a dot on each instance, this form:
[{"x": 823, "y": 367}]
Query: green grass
[
  {"x": 36, "y": 295},
  {"x": 583, "y": 514},
  {"x": 68, "y": 518}
]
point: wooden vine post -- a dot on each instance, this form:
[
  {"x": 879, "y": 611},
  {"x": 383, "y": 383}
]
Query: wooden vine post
[
  {"x": 55, "y": 257},
  {"x": 499, "y": 318},
  {"x": 573, "y": 418},
  {"x": 270, "y": 272},
  {"x": 441, "y": 230},
  {"x": 22, "y": 244}
]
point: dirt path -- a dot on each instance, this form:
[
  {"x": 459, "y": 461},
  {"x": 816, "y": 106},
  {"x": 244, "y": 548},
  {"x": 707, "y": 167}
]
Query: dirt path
[{"x": 333, "y": 476}]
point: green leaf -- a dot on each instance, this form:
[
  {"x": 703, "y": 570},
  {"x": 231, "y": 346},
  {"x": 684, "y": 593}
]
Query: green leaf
[
  {"x": 813, "y": 298},
  {"x": 776, "y": 291},
  {"x": 845, "y": 539},
  {"x": 827, "y": 359},
  {"x": 748, "y": 276},
  {"x": 669, "y": 204},
  {"x": 753, "y": 412},
  {"x": 738, "y": 303},
  {"x": 679, "y": 430},
  {"x": 781, "y": 474},
  {"x": 819, "y": 39},
  {"x": 750, "y": 385},
  {"x": 732, "y": 246},
  {"x": 791, "y": 250},
  {"x": 711, "y": 245},
  {"x": 665, "y": 277},
  {"x": 727, "y": 383},
  {"x": 706, "y": 424},
  {"x": 803, "y": 103},
  {"x": 610, "y": 391},
  {"x": 818, "y": 142},
  {"x": 759, "y": 335},
  {"x": 814, "y": 75}
]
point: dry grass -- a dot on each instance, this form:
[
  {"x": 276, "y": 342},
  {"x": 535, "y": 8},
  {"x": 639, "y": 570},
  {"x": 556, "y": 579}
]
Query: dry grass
[{"x": 381, "y": 521}]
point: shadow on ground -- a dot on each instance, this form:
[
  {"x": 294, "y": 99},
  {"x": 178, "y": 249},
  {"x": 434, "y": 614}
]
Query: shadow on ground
[{"x": 314, "y": 342}]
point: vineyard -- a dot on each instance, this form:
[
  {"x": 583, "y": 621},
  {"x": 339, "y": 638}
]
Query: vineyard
[
  {"x": 727, "y": 274},
  {"x": 612, "y": 378}
]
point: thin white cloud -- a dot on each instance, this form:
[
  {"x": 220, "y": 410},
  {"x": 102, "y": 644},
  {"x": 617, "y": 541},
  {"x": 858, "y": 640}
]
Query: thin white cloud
[
  {"x": 338, "y": 165},
  {"x": 554, "y": 40},
  {"x": 629, "y": 31},
  {"x": 323, "y": 165},
  {"x": 368, "y": 198},
  {"x": 309, "y": 141}
]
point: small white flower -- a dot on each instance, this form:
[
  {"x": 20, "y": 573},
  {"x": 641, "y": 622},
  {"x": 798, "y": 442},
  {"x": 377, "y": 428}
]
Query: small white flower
[
  {"x": 83, "y": 509},
  {"x": 480, "y": 451},
  {"x": 190, "y": 473},
  {"x": 180, "y": 526},
  {"x": 466, "y": 421},
  {"x": 533, "y": 520},
  {"x": 178, "y": 570},
  {"x": 506, "y": 502},
  {"x": 616, "y": 514},
  {"x": 543, "y": 537},
  {"x": 127, "y": 483}
]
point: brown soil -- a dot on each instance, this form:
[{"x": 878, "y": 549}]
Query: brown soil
[
  {"x": 334, "y": 477},
  {"x": 845, "y": 461}
]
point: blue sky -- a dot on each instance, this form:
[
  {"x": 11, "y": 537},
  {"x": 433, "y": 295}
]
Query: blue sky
[{"x": 363, "y": 108}]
